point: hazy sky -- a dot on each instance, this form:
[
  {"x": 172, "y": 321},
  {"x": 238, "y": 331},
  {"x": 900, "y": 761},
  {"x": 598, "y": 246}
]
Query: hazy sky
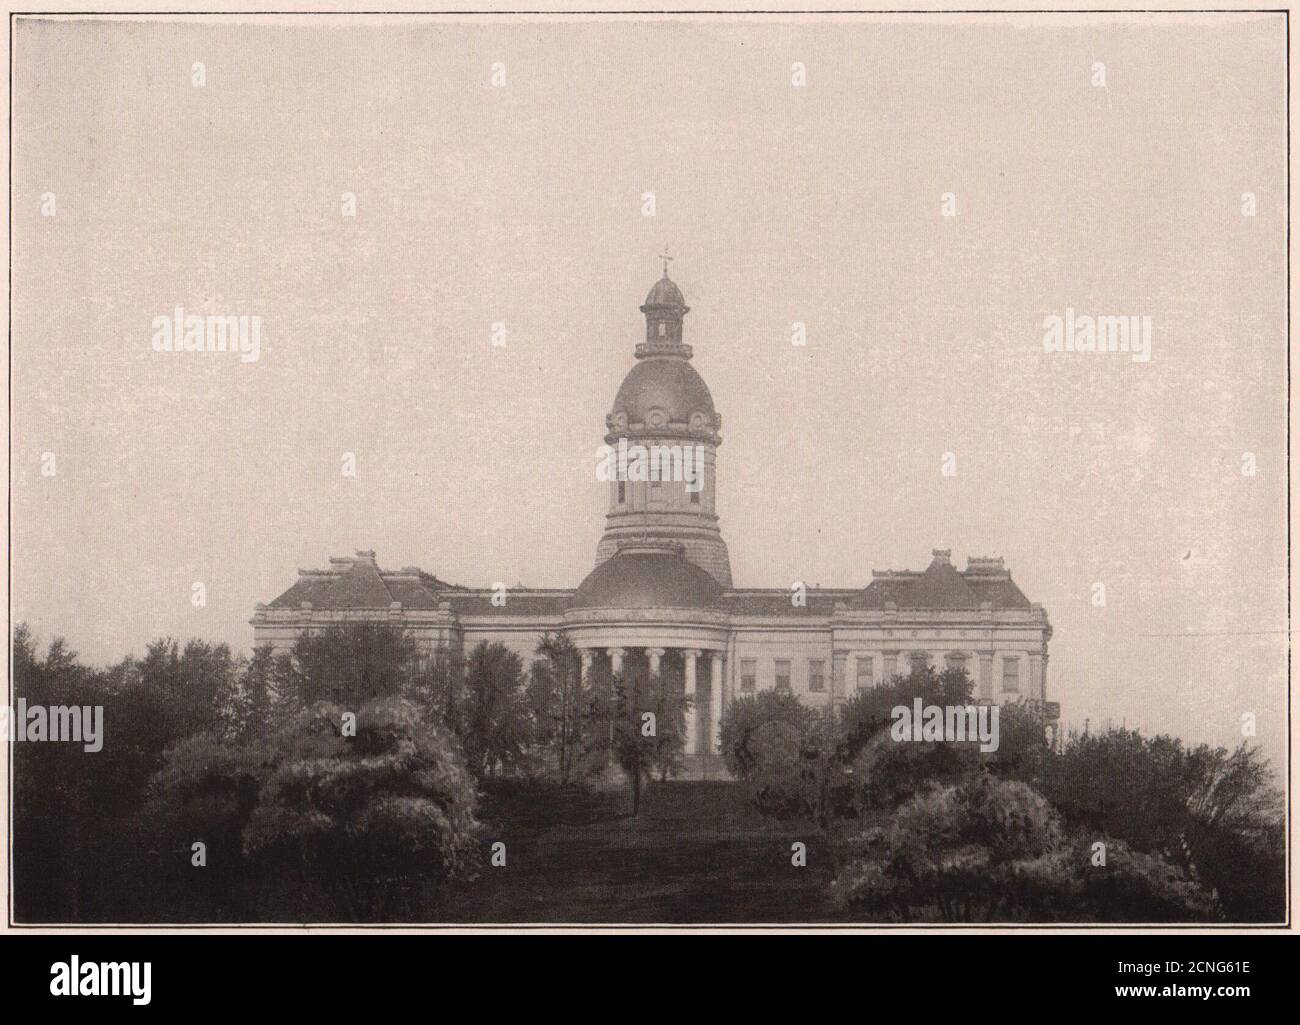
[{"x": 523, "y": 205}]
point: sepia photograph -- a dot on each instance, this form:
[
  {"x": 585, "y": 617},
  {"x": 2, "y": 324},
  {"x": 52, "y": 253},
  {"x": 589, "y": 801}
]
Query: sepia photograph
[{"x": 647, "y": 470}]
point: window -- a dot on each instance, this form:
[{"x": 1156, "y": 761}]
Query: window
[
  {"x": 748, "y": 675},
  {"x": 955, "y": 660},
  {"x": 695, "y": 498},
  {"x": 656, "y": 492},
  {"x": 663, "y": 329},
  {"x": 622, "y": 492},
  {"x": 816, "y": 675},
  {"x": 866, "y": 672},
  {"x": 1010, "y": 675},
  {"x": 783, "y": 674},
  {"x": 919, "y": 660}
]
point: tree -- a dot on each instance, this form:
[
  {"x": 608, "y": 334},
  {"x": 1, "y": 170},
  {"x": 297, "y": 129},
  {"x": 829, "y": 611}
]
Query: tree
[
  {"x": 324, "y": 823},
  {"x": 1215, "y": 812},
  {"x": 567, "y": 712},
  {"x": 748, "y": 723},
  {"x": 782, "y": 750},
  {"x": 995, "y": 850},
  {"x": 440, "y": 689},
  {"x": 259, "y": 689},
  {"x": 800, "y": 761},
  {"x": 56, "y": 790},
  {"x": 350, "y": 664},
  {"x": 649, "y": 726},
  {"x": 496, "y": 731},
  {"x": 195, "y": 685}
]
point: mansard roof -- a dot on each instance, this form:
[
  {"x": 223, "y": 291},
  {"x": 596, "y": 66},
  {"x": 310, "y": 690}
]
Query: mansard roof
[
  {"x": 943, "y": 586},
  {"x": 640, "y": 579},
  {"x": 357, "y": 582}
]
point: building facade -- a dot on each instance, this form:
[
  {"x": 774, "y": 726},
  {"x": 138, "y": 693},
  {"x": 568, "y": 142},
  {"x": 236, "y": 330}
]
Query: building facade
[{"x": 660, "y": 597}]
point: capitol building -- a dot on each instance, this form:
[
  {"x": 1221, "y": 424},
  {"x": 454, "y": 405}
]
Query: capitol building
[{"x": 660, "y": 596}]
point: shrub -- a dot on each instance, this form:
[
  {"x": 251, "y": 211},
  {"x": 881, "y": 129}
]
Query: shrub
[
  {"x": 990, "y": 849},
  {"x": 781, "y": 750},
  {"x": 1215, "y": 812},
  {"x": 332, "y": 827}
]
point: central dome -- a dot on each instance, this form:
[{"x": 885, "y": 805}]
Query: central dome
[
  {"x": 646, "y": 578},
  {"x": 670, "y": 386}
]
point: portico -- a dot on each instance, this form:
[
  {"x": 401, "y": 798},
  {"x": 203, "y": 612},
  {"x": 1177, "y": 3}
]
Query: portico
[
  {"x": 688, "y": 654},
  {"x": 697, "y": 674}
]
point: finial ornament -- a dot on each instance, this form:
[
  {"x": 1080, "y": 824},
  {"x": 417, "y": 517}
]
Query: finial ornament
[{"x": 666, "y": 259}]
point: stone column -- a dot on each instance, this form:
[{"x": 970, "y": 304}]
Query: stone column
[
  {"x": 615, "y": 667},
  {"x": 654, "y": 654},
  {"x": 690, "y": 655},
  {"x": 715, "y": 704},
  {"x": 587, "y": 656}
]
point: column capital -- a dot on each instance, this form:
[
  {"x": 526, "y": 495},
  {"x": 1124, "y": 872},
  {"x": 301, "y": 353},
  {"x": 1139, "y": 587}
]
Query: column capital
[
  {"x": 656, "y": 652},
  {"x": 615, "y": 652},
  {"x": 692, "y": 652}
]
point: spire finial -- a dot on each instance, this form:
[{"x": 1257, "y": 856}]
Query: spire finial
[{"x": 666, "y": 259}]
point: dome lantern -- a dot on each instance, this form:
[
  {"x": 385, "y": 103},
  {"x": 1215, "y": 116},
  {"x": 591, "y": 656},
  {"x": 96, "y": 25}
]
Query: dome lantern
[{"x": 664, "y": 309}]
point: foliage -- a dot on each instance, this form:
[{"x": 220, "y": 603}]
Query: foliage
[
  {"x": 349, "y": 664},
  {"x": 568, "y": 713},
  {"x": 496, "y": 726},
  {"x": 649, "y": 729},
  {"x": 361, "y": 825},
  {"x": 994, "y": 850},
  {"x": 1216, "y": 812},
  {"x": 797, "y": 761},
  {"x": 761, "y": 726}
]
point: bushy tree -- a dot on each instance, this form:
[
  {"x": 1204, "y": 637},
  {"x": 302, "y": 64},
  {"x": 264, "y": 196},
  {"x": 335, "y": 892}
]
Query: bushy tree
[
  {"x": 333, "y": 826},
  {"x": 798, "y": 761},
  {"x": 348, "y": 664},
  {"x": 496, "y": 727},
  {"x": 869, "y": 712},
  {"x": 1218, "y": 813},
  {"x": 568, "y": 713},
  {"x": 1024, "y": 748},
  {"x": 440, "y": 689},
  {"x": 995, "y": 850},
  {"x": 649, "y": 728},
  {"x": 784, "y": 753},
  {"x": 753, "y": 725},
  {"x": 56, "y": 789}
]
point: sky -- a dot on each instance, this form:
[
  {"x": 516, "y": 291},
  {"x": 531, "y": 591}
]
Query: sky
[{"x": 523, "y": 204}]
